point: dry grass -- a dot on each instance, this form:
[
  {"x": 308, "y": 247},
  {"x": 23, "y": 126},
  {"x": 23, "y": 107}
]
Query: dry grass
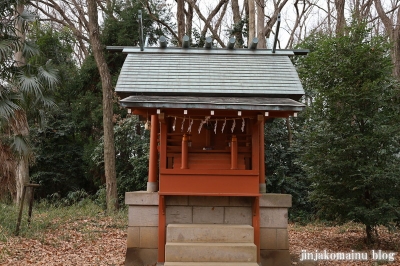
[{"x": 75, "y": 235}]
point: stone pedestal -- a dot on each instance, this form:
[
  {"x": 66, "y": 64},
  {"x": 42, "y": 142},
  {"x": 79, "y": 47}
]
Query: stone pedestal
[
  {"x": 142, "y": 239},
  {"x": 274, "y": 241}
]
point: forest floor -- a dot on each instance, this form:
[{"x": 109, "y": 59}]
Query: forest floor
[
  {"x": 348, "y": 239},
  {"x": 86, "y": 236}
]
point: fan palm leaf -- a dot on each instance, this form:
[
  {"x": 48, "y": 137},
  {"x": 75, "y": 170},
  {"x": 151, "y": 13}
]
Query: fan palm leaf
[
  {"x": 24, "y": 88},
  {"x": 48, "y": 74},
  {"x": 8, "y": 104}
]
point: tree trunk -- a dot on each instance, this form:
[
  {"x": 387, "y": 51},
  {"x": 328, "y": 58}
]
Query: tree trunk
[
  {"x": 18, "y": 56},
  {"x": 329, "y": 14},
  {"x": 252, "y": 22},
  {"x": 189, "y": 21},
  {"x": 107, "y": 88},
  {"x": 341, "y": 21},
  {"x": 22, "y": 167},
  {"x": 237, "y": 20},
  {"x": 180, "y": 16},
  {"x": 260, "y": 25},
  {"x": 22, "y": 175},
  {"x": 368, "y": 231},
  {"x": 274, "y": 17},
  {"x": 393, "y": 31},
  {"x": 207, "y": 21},
  {"x": 396, "y": 47}
]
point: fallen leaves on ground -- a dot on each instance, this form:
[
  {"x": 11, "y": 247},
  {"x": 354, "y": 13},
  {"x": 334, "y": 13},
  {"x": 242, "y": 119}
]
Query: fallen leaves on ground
[
  {"x": 83, "y": 242},
  {"x": 346, "y": 238},
  {"x": 99, "y": 241}
]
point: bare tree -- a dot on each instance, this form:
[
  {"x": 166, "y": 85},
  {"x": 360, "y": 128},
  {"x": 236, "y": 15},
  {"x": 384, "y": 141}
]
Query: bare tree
[
  {"x": 217, "y": 26},
  {"x": 81, "y": 17},
  {"x": 207, "y": 21},
  {"x": 237, "y": 20},
  {"x": 393, "y": 31},
  {"x": 189, "y": 20},
  {"x": 252, "y": 21},
  {"x": 154, "y": 15},
  {"x": 271, "y": 19},
  {"x": 362, "y": 9},
  {"x": 260, "y": 24},
  {"x": 180, "y": 17},
  {"x": 299, "y": 26},
  {"x": 340, "y": 18},
  {"x": 71, "y": 14},
  {"x": 107, "y": 87}
]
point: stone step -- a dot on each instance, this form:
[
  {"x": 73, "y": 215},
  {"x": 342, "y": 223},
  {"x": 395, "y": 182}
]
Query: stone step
[
  {"x": 211, "y": 264},
  {"x": 209, "y": 233},
  {"x": 207, "y": 252}
]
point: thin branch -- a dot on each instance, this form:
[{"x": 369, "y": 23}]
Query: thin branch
[
  {"x": 155, "y": 18},
  {"x": 208, "y": 20}
]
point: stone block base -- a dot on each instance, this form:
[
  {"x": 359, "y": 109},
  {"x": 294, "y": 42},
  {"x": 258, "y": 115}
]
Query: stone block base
[{"x": 142, "y": 239}]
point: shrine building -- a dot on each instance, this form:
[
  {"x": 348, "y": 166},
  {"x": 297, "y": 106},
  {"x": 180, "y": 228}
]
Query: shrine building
[{"x": 206, "y": 201}]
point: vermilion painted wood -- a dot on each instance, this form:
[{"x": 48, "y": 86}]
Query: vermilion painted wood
[
  {"x": 177, "y": 149},
  {"x": 191, "y": 184},
  {"x": 255, "y": 143},
  {"x": 216, "y": 172},
  {"x": 234, "y": 153},
  {"x": 163, "y": 145},
  {"x": 202, "y": 161},
  {"x": 184, "y": 158},
  {"x": 153, "y": 156},
  {"x": 209, "y": 172}
]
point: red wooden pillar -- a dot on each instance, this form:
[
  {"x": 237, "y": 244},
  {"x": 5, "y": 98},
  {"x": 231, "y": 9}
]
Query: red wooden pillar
[
  {"x": 263, "y": 188},
  {"x": 255, "y": 150},
  {"x": 163, "y": 145},
  {"x": 234, "y": 153},
  {"x": 152, "y": 184},
  {"x": 184, "y": 158}
]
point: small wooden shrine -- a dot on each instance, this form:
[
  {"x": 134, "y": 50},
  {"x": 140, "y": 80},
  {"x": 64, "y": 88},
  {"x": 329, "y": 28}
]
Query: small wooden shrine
[{"x": 206, "y": 110}]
